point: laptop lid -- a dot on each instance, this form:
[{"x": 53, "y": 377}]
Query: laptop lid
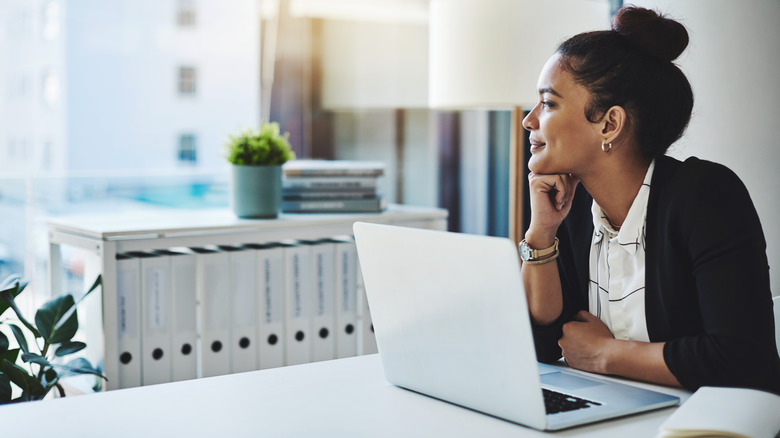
[
  {"x": 451, "y": 321},
  {"x": 437, "y": 331}
]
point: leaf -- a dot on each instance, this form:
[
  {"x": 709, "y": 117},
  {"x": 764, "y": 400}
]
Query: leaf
[
  {"x": 79, "y": 366},
  {"x": 69, "y": 347},
  {"x": 20, "y": 339},
  {"x": 98, "y": 282},
  {"x": 48, "y": 320},
  {"x": 36, "y": 359},
  {"x": 29, "y": 385},
  {"x": 10, "y": 288},
  {"x": 98, "y": 386},
  {"x": 7, "y": 299},
  {"x": 10, "y": 282},
  {"x": 50, "y": 377},
  {"x": 3, "y": 343},
  {"x": 5, "y": 389},
  {"x": 10, "y": 356},
  {"x": 67, "y": 318}
]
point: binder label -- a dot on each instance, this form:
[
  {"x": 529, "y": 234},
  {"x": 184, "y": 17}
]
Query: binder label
[
  {"x": 348, "y": 289},
  {"x": 127, "y": 312},
  {"x": 297, "y": 299},
  {"x": 324, "y": 275},
  {"x": 272, "y": 288},
  {"x": 156, "y": 287}
]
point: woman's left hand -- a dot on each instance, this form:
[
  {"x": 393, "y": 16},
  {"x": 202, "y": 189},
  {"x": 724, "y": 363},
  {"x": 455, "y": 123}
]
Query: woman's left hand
[{"x": 585, "y": 343}]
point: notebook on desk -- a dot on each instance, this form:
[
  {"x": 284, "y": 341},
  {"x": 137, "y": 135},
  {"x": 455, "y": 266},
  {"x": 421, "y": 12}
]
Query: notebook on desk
[{"x": 451, "y": 321}]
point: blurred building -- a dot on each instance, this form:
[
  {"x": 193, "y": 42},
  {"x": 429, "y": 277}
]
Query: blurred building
[
  {"x": 102, "y": 100},
  {"x": 124, "y": 84}
]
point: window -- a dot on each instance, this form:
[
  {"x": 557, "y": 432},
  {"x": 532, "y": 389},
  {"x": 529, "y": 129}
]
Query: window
[
  {"x": 45, "y": 159},
  {"x": 17, "y": 86},
  {"x": 53, "y": 156},
  {"x": 51, "y": 21},
  {"x": 11, "y": 150},
  {"x": 185, "y": 14},
  {"x": 19, "y": 21},
  {"x": 187, "y": 81},
  {"x": 188, "y": 149},
  {"x": 50, "y": 89}
]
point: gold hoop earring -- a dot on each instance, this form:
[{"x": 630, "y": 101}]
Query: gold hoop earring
[{"x": 606, "y": 147}]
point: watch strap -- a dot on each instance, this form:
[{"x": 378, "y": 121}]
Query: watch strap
[{"x": 538, "y": 254}]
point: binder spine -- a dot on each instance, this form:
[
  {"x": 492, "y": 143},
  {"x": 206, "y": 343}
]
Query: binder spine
[
  {"x": 184, "y": 326},
  {"x": 270, "y": 304},
  {"x": 243, "y": 312},
  {"x": 214, "y": 297},
  {"x": 297, "y": 305},
  {"x": 156, "y": 315},
  {"x": 323, "y": 302},
  {"x": 367, "y": 338},
  {"x": 128, "y": 270},
  {"x": 346, "y": 297}
]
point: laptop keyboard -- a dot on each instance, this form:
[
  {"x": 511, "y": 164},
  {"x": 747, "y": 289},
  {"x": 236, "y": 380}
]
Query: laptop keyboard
[{"x": 555, "y": 402}]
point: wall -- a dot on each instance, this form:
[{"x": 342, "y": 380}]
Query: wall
[{"x": 732, "y": 63}]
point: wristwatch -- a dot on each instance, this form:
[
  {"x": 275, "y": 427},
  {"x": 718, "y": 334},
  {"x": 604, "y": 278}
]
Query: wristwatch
[{"x": 529, "y": 254}]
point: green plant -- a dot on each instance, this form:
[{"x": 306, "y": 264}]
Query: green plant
[
  {"x": 262, "y": 147},
  {"x": 56, "y": 322}
]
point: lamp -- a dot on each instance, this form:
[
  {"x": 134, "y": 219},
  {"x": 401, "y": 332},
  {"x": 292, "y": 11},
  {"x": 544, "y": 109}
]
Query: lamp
[
  {"x": 487, "y": 54},
  {"x": 372, "y": 64}
]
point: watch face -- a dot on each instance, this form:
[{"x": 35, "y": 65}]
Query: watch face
[{"x": 525, "y": 251}]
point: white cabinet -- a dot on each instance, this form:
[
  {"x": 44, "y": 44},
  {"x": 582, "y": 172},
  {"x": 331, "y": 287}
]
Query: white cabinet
[{"x": 104, "y": 236}]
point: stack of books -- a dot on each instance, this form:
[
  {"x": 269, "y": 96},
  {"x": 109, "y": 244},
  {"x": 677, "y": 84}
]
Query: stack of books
[{"x": 332, "y": 186}]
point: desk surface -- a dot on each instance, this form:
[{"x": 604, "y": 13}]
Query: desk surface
[{"x": 340, "y": 398}]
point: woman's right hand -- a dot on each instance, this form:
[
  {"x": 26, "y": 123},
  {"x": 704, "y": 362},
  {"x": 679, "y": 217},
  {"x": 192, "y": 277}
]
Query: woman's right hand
[{"x": 551, "y": 197}]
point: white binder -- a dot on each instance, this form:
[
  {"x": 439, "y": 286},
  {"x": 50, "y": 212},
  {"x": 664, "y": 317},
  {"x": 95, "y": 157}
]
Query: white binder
[
  {"x": 156, "y": 316},
  {"x": 270, "y": 303},
  {"x": 367, "y": 338},
  {"x": 323, "y": 302},
  {"x": 297, "y": 267},
  {"x": 128, "y": 320},
  {"x": 346, "y": 296},
  {"x": 244, "y": 308},
  {"x": 214, "y": 296},
  {"x": 185, "y": 310}
]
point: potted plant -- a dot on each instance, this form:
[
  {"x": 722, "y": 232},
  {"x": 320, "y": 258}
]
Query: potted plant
[
  {"x": 43, "y": 363},
  {"x": 256, "y": 158}
]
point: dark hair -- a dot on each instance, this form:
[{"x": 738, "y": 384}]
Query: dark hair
[{"x": 631, "y": 66}]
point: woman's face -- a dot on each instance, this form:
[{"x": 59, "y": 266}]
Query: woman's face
[{"x": 562, "y": 139}]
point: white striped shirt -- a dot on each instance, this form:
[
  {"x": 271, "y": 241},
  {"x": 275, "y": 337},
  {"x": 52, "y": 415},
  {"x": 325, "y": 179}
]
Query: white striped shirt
[{"x": 617, "y": 268}]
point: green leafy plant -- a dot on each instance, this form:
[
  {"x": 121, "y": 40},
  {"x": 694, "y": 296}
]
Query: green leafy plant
[
  {"x": 43, "y": 364},
  {"x": 262, "y": 147}
]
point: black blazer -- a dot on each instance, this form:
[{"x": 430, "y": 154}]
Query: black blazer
[{"x": 706, "y": 276}]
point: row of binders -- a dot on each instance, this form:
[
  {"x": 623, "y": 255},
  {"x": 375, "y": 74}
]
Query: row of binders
[{"x": 185, "y": 313}]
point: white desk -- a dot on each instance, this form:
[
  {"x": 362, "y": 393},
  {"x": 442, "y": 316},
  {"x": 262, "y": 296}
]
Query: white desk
[{"x": 340, "y": 398}]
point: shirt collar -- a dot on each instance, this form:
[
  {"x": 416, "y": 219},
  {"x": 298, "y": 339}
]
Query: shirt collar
[{"x": 631, "y": 234}]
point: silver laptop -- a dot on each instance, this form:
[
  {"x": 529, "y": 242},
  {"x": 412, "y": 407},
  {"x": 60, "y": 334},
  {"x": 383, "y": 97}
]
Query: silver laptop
[{"x": 451, "y": 321}]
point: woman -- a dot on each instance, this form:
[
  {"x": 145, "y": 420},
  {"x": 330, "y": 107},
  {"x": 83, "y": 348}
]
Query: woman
[{"x": 637, "y": 264}]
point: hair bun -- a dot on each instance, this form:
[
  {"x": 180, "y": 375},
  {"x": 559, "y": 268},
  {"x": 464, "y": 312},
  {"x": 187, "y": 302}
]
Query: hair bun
[{"x": 651, "y": 32}]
